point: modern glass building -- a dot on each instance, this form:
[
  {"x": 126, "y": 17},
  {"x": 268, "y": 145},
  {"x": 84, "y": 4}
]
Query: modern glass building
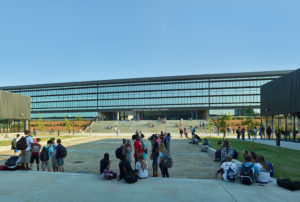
[{"x": 173, "y": 97}]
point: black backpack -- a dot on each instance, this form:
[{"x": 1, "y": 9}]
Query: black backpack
[
  {"x": 235, "y": 154},
  {"x": 247, "y": 176},
  {"x": 231, "y": 176},
  {"x": 63, "y": 152},
  {"x": 130, "y": 177},
  {"x": 44, "y": 155},
  {"x": 287, "y": 184},
  {"x": 119, "y": 153},
  {"x": 22, "y": 144}
]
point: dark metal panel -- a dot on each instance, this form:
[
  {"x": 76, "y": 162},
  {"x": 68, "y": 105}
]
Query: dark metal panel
[
  {"x": 281, "y": 96},
  {"x": 156, "y": 79}
]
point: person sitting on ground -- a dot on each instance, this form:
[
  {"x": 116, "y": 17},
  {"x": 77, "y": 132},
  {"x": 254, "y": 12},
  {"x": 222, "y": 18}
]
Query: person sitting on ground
[
  {"x": 206, "y": 142},
  {"x": 271, "y": 168},
  {"x": 254, "y": 169},
  {"x": 105, "y": 168},
  {"x": 154, "y": 155},
  {"x": 141, "y": 167},
  {"x": 218, "y": 152},
  {"x": 35, "y": 155},
  {"x": 162, "y": 153},
  {"x": 245, "y": 153},
  {"x": 48, "y": 164},
  {"x": 263, "y": 170},
  {"x": 228, "y": 169},
  {"x": 59, "y": 156},
  {"x": 124, "y": 167},
  {"x": 225, "y": 150},
  {"x": 253, "y": 157}
]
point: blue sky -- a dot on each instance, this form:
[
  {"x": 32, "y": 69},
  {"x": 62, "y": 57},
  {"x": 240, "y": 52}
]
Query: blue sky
[{"x": 72, "y": 40}]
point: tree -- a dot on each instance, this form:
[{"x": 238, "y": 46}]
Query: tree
[
  {"x": 41, "y": 125},
  {"x": 68, "y": 125},
  {"x": 78, "y": 119},
  {"x": 211, "y": 124},
  {"x": 222, "y": 123}
]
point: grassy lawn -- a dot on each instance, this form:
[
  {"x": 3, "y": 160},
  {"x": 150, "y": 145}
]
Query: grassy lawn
[
  {"x": 286, "y": 162},
  {"x": 43, "y": 139}
]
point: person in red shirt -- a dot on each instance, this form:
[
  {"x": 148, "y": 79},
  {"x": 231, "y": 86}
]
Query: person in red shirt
[
  {"x": 35, "y": 149},
  {"x": 137, "y": 147}
]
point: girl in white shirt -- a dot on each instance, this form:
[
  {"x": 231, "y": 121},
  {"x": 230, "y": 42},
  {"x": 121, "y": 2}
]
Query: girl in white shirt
[
  {"x": 263, "y": 170},
  {"x": 141, "y": 167}
]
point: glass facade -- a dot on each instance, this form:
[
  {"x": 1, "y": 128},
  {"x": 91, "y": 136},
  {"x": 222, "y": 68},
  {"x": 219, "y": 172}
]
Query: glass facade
[{"x": 218, "y": 95}]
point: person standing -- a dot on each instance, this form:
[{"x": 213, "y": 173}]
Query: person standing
[
  {"x": 47, "y": 162},
  {"x": 154, "y": 155},
  {"x": 26, "y": 154},
  {"x": 54, "y": 146},
  {"x": 162, "y": 153},
  {"x": 117, "y": 131},
  {"x": 35, "y": 155},
  {"x": 238, "y": 132},
  {"x": 185, "y": 132},
  {"x": 14, "y": 144},
  {"x": 269, "y": 132},
  {"x": 180, "y": 131},
  {"x": 243, "y": 133},
  {"x": 60, "y": 155},
  {"x": 254, "y": 132},
  {"x": 34, "y": 132},
  {"x": 128, "y": 150},
  {"x": 137, "y": 147},
  {"x": 167, "y": 142},
  {"x": 261, "y": 132}
]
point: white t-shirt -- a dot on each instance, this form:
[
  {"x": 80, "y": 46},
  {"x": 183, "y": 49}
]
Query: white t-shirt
[
  {"x": 141, "y": 173},
  {"x": 29, "y": 140},
  {"x": 263, "y": 174},
  {"x": 226, "y": 166}
]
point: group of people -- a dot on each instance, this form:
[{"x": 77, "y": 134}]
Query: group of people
[
  {"x": 160, "y": 150},
  {"x": 261, "y": 130},
  {"x": 51, "y": 155},
  {"x": 254, "y": 168}
]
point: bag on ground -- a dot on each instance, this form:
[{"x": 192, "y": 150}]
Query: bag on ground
[
  {"x": 109, "y": 175},
  {"x": 22, "y": 144},
  {"x": 12, "y": 162},
  {"x": 44, "y": 155},
  {"x": 247, "y": 176},
  {"x": 287, "y": 184},
  {"x": 167, "y": 161},
  {"x": 63, "y": 152},
  {"x": 130, "y": 177}
]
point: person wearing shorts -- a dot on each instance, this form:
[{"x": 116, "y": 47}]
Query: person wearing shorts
[
  {"x": 26, "y": 154},
  {"x": 54, "y": 145},
  {"x": 154, "y": 156},
  {"x": 35, "y": 155},
  {"x": 59, "y": 160},
  {"x": 48, "y": 164}
]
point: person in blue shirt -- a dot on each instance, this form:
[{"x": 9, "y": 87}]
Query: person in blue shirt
[{"x": 248, "y": 163}]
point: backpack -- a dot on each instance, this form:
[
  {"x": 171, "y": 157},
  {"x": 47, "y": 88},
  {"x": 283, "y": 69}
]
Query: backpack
[
  {"x": 233, "y": 153},
  {"x": 167, "y": 161},
  {"x": 12, "y": 162},
  {"x": 63, "y": 152},
  {"x": 109, "y": 175},
  {"x": 130, "y": 177},
  {"x": 119, "y": 153},
  {"x": 44, "y": 155},
  {"x": 218, "y": 155},
  {"x": 14, "y": 144},
  {"x": 247, "y": 176},
  {"x": 22, "y": 143},
  {"x": 287, "y": 184},
  {"x": 230, "y": 174}
]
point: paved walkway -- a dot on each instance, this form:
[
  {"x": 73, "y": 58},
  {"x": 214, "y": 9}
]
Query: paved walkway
[
  {"x": 63, "y": 187},
  {"x": 283, "y": 144}
]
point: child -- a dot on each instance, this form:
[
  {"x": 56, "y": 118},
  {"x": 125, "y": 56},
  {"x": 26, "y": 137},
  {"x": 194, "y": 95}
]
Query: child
[
  {"x": 124, "y": 167},
  {"x": 248, "y": 172},
  {"x": 141, "y": 167},
  {"x": 263, "y": 170},
  {"x": 35, "y": 155},
  {"x": 105, "y": 166},
  {"x": 60, "y": 155},
  {"x": 228, "y": 169},
  {"x": 14, "y": 145}
]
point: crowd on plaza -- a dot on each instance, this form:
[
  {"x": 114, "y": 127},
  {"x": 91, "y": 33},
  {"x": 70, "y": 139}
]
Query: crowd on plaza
[
  {"x": 160, "y": 156},
  {"x": 253, "y": 169},
  {"x": 51, "y": 155}
]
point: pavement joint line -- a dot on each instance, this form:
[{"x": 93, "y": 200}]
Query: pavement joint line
[{"x": 228, "y": 192}]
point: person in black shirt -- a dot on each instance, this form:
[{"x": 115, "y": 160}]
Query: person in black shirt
[
  {"x": 124, "y": 167},
  {"x": 105, "y": 163}
]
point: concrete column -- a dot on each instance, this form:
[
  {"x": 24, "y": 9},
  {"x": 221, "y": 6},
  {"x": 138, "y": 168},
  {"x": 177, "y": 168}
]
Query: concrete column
[{"x": 118, "y": 116}]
